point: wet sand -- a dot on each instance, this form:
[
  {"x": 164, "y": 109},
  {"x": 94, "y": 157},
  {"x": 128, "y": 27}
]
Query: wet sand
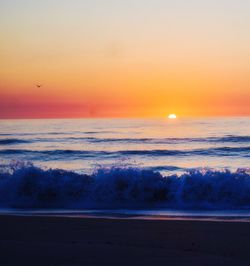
[{"x": 26, "y": 240}]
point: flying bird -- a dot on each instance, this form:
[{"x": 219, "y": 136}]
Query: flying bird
[{"x": 38, "y": 85}]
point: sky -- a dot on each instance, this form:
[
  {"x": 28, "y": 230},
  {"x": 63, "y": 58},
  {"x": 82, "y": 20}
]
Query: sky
[{"x": 116, "y": 58}]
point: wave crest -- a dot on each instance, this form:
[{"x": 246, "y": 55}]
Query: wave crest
[
  {"x": 12, "y": 141},
  {"x": 25, "y": 186},
  {"x": 217, "y": 151}
]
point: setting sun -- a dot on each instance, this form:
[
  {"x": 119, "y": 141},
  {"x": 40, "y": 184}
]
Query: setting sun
[{"x": 172, "y": 116}]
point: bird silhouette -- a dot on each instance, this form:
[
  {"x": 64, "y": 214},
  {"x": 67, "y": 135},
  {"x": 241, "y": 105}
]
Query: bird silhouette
[{"x": 38, "y": 85}]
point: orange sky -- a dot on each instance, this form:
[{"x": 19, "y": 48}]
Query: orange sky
[{"x": 124, "y": 58}]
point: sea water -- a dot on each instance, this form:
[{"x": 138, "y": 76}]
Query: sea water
[{"x": 153, "y": 164}]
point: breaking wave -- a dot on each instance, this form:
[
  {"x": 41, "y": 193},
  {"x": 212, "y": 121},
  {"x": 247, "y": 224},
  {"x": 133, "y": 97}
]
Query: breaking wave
[{"x": 23, "y": 185}]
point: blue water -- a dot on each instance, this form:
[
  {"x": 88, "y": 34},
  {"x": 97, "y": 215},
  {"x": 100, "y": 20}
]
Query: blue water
[{"x": 126, "y": 164}]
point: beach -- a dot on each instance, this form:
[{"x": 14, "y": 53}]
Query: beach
[{"x": 41, "y": 240}]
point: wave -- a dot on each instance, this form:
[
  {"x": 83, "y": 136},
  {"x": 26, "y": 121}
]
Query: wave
[
  {"x": 229, "y": 138},
  {"x": 165, "y": 168},
  {"x": 67, "y": 138},
  {"x": 12, "y": 141},
  {"x": 56, "y": 133},
  {"x": 72, "y": 153},
  {"x": 218, "y": 151},
  {"x": 232, "y": 138},
  {"x": 33, "y": 134},
  {"x": 222, "y": 151},
  {"x": 23, "y": 185}
]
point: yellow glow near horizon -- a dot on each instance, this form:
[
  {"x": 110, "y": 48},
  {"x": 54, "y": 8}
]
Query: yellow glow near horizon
[{"x": 172, "y": 116}]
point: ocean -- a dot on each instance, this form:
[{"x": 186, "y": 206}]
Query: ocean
[{"x": 146, "y": 164}]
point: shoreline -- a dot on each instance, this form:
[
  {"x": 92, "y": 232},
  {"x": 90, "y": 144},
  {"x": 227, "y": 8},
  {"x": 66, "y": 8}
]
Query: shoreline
[
  {"x": 136, "y": 214},
  {"x": 138, "y": 217},
  {"x": 46, "y": 240}
]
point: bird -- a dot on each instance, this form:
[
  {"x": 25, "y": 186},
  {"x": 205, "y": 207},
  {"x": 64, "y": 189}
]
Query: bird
[{"x": 38, "y": 85}]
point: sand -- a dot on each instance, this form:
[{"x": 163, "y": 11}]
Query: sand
[{"x": 26, "y": 240}]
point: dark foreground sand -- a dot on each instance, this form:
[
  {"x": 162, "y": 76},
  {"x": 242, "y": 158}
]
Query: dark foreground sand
[{"x": 89, "y": 241}]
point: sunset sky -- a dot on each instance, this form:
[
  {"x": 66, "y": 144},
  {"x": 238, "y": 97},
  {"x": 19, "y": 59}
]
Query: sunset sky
[{"x": 124, "y": 58}]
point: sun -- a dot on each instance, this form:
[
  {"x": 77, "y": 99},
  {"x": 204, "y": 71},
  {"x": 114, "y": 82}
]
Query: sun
[{"x": 172, "y": 116}]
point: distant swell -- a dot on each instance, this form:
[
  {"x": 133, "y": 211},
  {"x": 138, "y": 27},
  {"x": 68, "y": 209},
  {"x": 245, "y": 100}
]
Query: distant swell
[
  {"x": 66, "y": 137},
  {"x": 25, "y": 186},
  {"x": 12, "y": 141},
  {"x": 54, "y": 133},
  {"x": 229, "y": 138},
  {"x": 219, "y": 151},
  {"x": 232, "y": 138}
]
